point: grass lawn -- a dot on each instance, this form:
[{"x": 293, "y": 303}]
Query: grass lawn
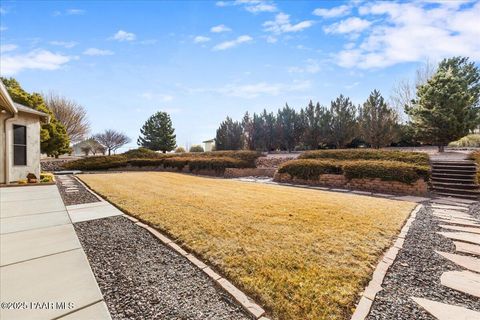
[{"x": 303, "y": 254}]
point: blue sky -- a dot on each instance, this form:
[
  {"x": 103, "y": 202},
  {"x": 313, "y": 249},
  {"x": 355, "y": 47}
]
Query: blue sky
[{"x": 203, "y": 60}]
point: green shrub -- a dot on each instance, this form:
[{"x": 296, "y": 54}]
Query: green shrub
[
  {"x": 419, "y": 158},
  {"x": 472, "y": 140},
  {"x": 245, "y": 155},
  {"x": 180, "y": 150},
  {"x": 146, "y": 162},
  {"x": 176, "y": 162},
  {"x": 46, "y": 177},
  {"x": 310, "y": 169},
  {"x": 141, "y": 153},
  {"x": 216, "y": 163},
  {"x": 97, "y": 163},
  {"x": 196, "y": 148},
  {"x": 475, "y": 156},
  {"x": 385, "y": 170}
]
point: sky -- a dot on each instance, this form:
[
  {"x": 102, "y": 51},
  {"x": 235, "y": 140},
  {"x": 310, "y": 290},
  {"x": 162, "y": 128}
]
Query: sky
[{"x": 201, "y": 61}]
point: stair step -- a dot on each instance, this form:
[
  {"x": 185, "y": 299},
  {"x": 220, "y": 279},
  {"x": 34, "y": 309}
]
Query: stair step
[
  {"x": 453, "y": 176},
  {"x": 463, "y": 186},
  {"x": 454, "y": 163},
  {"x": 450, "y": 180},
  {"x": 464, "y": 196},
  {"x": 462, "y": 168},
  {"x": 456, "y": 191}
]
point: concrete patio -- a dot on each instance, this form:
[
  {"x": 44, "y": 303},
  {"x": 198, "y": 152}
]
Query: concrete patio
[{"x": 44, "y": 271}]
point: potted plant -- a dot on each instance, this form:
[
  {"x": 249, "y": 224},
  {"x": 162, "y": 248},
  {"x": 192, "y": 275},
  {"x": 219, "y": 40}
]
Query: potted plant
[{"x": 31, "y": 178}]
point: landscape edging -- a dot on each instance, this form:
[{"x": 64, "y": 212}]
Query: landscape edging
[
  {"x": 246, "y": 302},
  {"x": 375, "y": 285}
]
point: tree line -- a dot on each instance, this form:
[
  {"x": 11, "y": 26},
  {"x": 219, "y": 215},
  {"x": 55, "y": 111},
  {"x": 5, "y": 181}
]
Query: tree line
[
  {"x": 445, "y": 107},
  {"x": 315, "y": 126}
]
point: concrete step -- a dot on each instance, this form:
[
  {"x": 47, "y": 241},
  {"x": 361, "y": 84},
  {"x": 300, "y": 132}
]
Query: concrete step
[
  {"x": 457, "y": 191},
  {"x": 454, "y": 185},
  {"x": 453, "y": 180},
  {"x": 452, "y": 195},
  {"x": 470, "y": 176}
]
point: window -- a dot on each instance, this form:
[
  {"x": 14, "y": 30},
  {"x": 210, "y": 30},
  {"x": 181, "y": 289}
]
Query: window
[{"x": 19, "y": 145}]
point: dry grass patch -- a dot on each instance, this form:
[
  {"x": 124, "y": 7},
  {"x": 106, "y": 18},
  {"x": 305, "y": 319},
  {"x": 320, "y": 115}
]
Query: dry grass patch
[{"x": 304, "y": 254}]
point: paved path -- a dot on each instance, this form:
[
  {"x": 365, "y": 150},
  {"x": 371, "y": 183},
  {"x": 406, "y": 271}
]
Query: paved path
[{"x": 44, "y": 272}]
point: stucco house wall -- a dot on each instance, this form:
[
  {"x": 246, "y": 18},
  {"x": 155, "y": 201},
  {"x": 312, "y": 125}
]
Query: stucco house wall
[{"x": 2, "y": 146}]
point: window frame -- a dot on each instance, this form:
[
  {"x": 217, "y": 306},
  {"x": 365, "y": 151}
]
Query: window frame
[{"x": 15, "y": 126}]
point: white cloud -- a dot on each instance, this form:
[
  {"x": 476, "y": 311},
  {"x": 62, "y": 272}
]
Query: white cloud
[
  {"x": 250, "y": 91},
  {"x": 124, "y": 36},
  {"x": 271, "y": 39},
  {"x": 412, "y": 32},
  {"x": 282, "y": 24},
  {"x": 97, "y": 52},
  {"x": 3, "y": 11},
  {"x": 37, "y": 59},
  {"x": 7, "y": 47},
  {"x": 350, "y": 25},
  {"x": 311, "y": 66},
  {"x": 232, "y": 43},
  {"x": 201, "y": 39},
  {"x": 333, "y": 12},
  {"x": 3, "y": 28},
  {"x": 156, "y": 97},
  {"x": 253, "y": 6},
  {"x": 75, "y": 12},
  {"x": 220, "y": 28},
  {"x": 65, "y": 44}
]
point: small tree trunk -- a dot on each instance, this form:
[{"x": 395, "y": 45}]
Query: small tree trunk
[
  {"x": 109, "y": 151},
  {"x": 441, "y": 148}
]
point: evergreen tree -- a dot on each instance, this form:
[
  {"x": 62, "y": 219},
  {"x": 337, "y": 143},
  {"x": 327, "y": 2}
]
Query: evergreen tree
[
  {"x": 258, "y": 132},
  {"x": 248, "y": 131},
  {"x": 447, "y": 105},
  {"x": 229, "y": 135},
  {"x": 158, "y": 133},
  {"x": 342, "y": 122},
  {"x": 377, "y": 121},
  {"x": 286, "y": 128},
  {"x": 54, "y": 140},
  {"x": 300, "y": 128},
  {"x": 270, "y": 139}
]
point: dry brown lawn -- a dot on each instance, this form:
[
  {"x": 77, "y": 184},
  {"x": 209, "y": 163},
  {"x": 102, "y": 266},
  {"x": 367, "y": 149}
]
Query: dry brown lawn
[{"x": 303, "y": 254}]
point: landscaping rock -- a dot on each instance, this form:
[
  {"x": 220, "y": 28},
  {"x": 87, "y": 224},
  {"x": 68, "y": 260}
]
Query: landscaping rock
[
  {"x": 141, "y": 278},
  {"x": 73, "y": 192}
]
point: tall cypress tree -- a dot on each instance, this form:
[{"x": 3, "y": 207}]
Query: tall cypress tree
[
  {"x": 343, "y": 121},
  {"x": 229, "y": 135},
  {"x": 158, "y": 133}
]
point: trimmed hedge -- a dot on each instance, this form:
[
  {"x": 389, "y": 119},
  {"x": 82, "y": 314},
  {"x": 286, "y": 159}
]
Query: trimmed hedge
[
  {"x": 217, "y": 164},
  {"x": 475, "y": 156},
  {"x": 418, "y": 158},
  {"x": 141, "y": 153},
  {"x": 310, "y": 169},
  {"x": 97, "y": 163}
]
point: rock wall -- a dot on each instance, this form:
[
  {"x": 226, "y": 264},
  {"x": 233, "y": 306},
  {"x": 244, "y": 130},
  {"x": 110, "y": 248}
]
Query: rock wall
[{"x": 419, "y": 188}]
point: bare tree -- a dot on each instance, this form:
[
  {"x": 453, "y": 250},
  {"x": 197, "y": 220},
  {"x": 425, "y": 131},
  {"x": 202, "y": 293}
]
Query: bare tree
[
  {"x": 112, "y": 140},
  {"x": 405, "y": 90},
  {"x": 72, "y": 115}
]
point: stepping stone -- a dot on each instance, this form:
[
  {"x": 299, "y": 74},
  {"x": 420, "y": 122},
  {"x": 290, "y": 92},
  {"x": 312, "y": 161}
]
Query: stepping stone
[
  {"x": 443, "y": 311},
  {"x": 451, "y": 213},
  {"x": 466, "y": 262},
  {"x": 464, "y": 229},
  {"x": 462, "y": 236},
  {"x": 449, "y": 202},
  {"x": 467, "y": 223},
  {"x": 444, "y": 216},
  {"x": 447, "y": 207},
  {"x": 463, "y": 281},
  {"x": 467, "y": 248}
]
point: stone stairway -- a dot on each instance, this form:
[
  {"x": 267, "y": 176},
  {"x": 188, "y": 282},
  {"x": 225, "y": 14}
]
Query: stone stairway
[{"x": 455, "y": 179}]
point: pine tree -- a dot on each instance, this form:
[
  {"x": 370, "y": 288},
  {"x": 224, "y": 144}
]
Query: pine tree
[
  {"x": 342, "y": 122},
  {"x": 248, "y": 131},
  {"x": 378, "y": 123},
  {"x": 447, "y": 106},
  {"x": 158, "y": 133},
  {"x": 229, "y": 135},
  {"x": 286, "y": 128},
  {"x": 54, "y": 140}
]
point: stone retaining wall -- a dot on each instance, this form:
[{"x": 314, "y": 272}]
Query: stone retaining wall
[
  {"x": 249, "y": 172},
  {"x": 419, "y": 188}
]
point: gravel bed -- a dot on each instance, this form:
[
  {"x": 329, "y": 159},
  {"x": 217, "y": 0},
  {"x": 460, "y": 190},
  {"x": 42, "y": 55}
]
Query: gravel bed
[
  {"x": 71, "y": 198},
  {"x": 141, "y": 278},
  {"x": 416, "y": 272},
  {"x": 475, "y": 211}
]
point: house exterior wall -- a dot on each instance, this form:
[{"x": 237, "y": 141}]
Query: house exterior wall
[
  {"x": 209, "y": 146},
  {"x": 3, "y": 116},
  {"x": 33, "y": 147}
]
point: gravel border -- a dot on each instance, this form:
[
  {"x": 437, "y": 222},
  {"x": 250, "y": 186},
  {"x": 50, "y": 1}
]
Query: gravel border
[
  {"x": 71, "y": 198},
  {"x": 416, "y": 272},
  {"x": 141, "y": 278}
]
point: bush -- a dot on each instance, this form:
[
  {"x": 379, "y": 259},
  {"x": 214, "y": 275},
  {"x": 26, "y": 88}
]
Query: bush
[
  {"x": 310, "y": 169},
  {"x": 217, "y": 163},
  {"x": 196, "y": 148},
  {"x": 46, "y": 177},
  {"x": 419, "y": 158},
  {"x": 176, "y": 162},
  {"x": 146, "y": 162},
  {"x": 141, "y": 153},
  {"x": 245, "y": 155},
  {"x": 180, "y": 150},
  {"x": 385, "y": 170},
  {"x": 97, "y": 163},
  {"x": 470, "y": 141}
]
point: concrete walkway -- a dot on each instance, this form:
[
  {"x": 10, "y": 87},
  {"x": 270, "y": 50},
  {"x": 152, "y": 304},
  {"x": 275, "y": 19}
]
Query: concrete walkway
[{"x": 44, "y": 272}]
